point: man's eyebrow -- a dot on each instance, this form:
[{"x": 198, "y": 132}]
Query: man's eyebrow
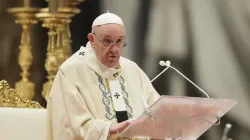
[
  {"x": 120, "y": 36},
  {"x": 106, "y": 35}
]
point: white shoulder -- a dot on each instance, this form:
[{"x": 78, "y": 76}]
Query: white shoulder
[
  {"x": 128, "y": 63},
  {"x": 74, "y": 62}
]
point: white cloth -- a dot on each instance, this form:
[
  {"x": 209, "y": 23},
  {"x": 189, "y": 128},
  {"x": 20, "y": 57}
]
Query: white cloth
[
  {"x": 80, "y": 106},
  {"x": 22, "y": 124}
]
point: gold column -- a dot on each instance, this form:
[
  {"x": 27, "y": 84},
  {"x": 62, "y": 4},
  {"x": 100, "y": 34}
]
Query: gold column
[{"x": 25, "y": 16}]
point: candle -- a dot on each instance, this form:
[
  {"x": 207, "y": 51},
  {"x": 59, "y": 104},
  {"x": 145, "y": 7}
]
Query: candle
[
  {"x": 60, "y": 3},
  {"x": 26, "y": 3},
  {"x": 53, "y": 5}
]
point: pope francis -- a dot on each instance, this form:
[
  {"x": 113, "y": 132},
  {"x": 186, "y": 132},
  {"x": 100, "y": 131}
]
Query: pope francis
[{"x": 96, "y": 92}]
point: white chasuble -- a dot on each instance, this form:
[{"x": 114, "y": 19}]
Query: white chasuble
[{"x": 86, "y": 96}]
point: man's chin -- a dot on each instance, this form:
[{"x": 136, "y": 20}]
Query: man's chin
[{"x": 112, "y": 64}]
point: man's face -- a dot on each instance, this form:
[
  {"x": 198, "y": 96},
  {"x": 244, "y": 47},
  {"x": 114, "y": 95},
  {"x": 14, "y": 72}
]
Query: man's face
[{"x": 103, "y": 41}]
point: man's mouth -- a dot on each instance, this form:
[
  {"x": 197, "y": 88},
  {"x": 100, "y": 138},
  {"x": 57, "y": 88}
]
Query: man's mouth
[{"x": 112, "y": 56}]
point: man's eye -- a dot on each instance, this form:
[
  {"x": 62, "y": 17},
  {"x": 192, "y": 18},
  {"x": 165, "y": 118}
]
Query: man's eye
[
  {"x": 119, "y": 41},
  {"x": 106, "y": 41}
]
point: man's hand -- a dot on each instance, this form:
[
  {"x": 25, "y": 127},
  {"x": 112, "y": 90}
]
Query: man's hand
[{"x": 119, "y": 127}]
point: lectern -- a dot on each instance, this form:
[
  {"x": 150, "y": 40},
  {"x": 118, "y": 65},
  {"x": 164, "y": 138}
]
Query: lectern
[{"x": 176, "y": 117}]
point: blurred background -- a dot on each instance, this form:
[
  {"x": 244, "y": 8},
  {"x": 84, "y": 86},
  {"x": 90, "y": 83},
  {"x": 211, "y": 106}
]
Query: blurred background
[{"x": 207, "y": 40}]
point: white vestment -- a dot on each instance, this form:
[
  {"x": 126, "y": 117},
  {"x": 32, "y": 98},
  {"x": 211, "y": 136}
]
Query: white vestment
[{"x": 80, "y": 106}]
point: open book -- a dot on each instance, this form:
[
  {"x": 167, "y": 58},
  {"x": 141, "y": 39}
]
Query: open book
[{"x": 185, "y": 118}]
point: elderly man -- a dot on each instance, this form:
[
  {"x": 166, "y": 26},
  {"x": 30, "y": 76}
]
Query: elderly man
[{"x": 96, "y": 92}]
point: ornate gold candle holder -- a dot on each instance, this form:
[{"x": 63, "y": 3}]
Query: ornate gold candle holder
[
  {"x": 64, "y": 38},
  {"x": 54, "y": 22},
  {"x": 69, "y": 10},
  {"x": 59, "y": 43},
  {"x": 25, "y": 16}
]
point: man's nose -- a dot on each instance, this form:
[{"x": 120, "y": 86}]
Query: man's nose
[{"x": 115, "y": 48}]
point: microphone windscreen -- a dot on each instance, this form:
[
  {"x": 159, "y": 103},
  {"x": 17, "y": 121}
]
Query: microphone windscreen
[
  {"x": 162, "y": 63},
  {"x": 228, "y": 125},
  {"x": 168, "y": 63}
]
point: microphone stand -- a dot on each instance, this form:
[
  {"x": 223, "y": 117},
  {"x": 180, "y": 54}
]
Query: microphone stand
[
  {"x": 146, "y": 107},
  {"x": 167, "y": 64},
  {"x": 226, "y": 131}
]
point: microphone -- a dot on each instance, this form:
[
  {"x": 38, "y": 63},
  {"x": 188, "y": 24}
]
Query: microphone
[
  {"x": 167, "y": 64},
  {"x": 162, "y": 63}
]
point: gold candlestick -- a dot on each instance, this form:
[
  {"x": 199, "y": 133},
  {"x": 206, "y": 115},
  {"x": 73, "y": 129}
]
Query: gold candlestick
[
  {"x": 25, "y": 16},
  {"x": 67, "y": 39},
  {"x": 59, "y": 44},
  {"x": 69, "y": 10},
  {"x": 54, "y": 22}
]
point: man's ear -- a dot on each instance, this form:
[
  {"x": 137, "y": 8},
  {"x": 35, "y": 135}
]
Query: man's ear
[{"x": 91, "y": 39}]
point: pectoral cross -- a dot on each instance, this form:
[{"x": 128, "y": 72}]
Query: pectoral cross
[
  {"x": 116, "y": 95},
  {"x": 81, "y": 53},
  {"x": 116, "y": 74}
]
